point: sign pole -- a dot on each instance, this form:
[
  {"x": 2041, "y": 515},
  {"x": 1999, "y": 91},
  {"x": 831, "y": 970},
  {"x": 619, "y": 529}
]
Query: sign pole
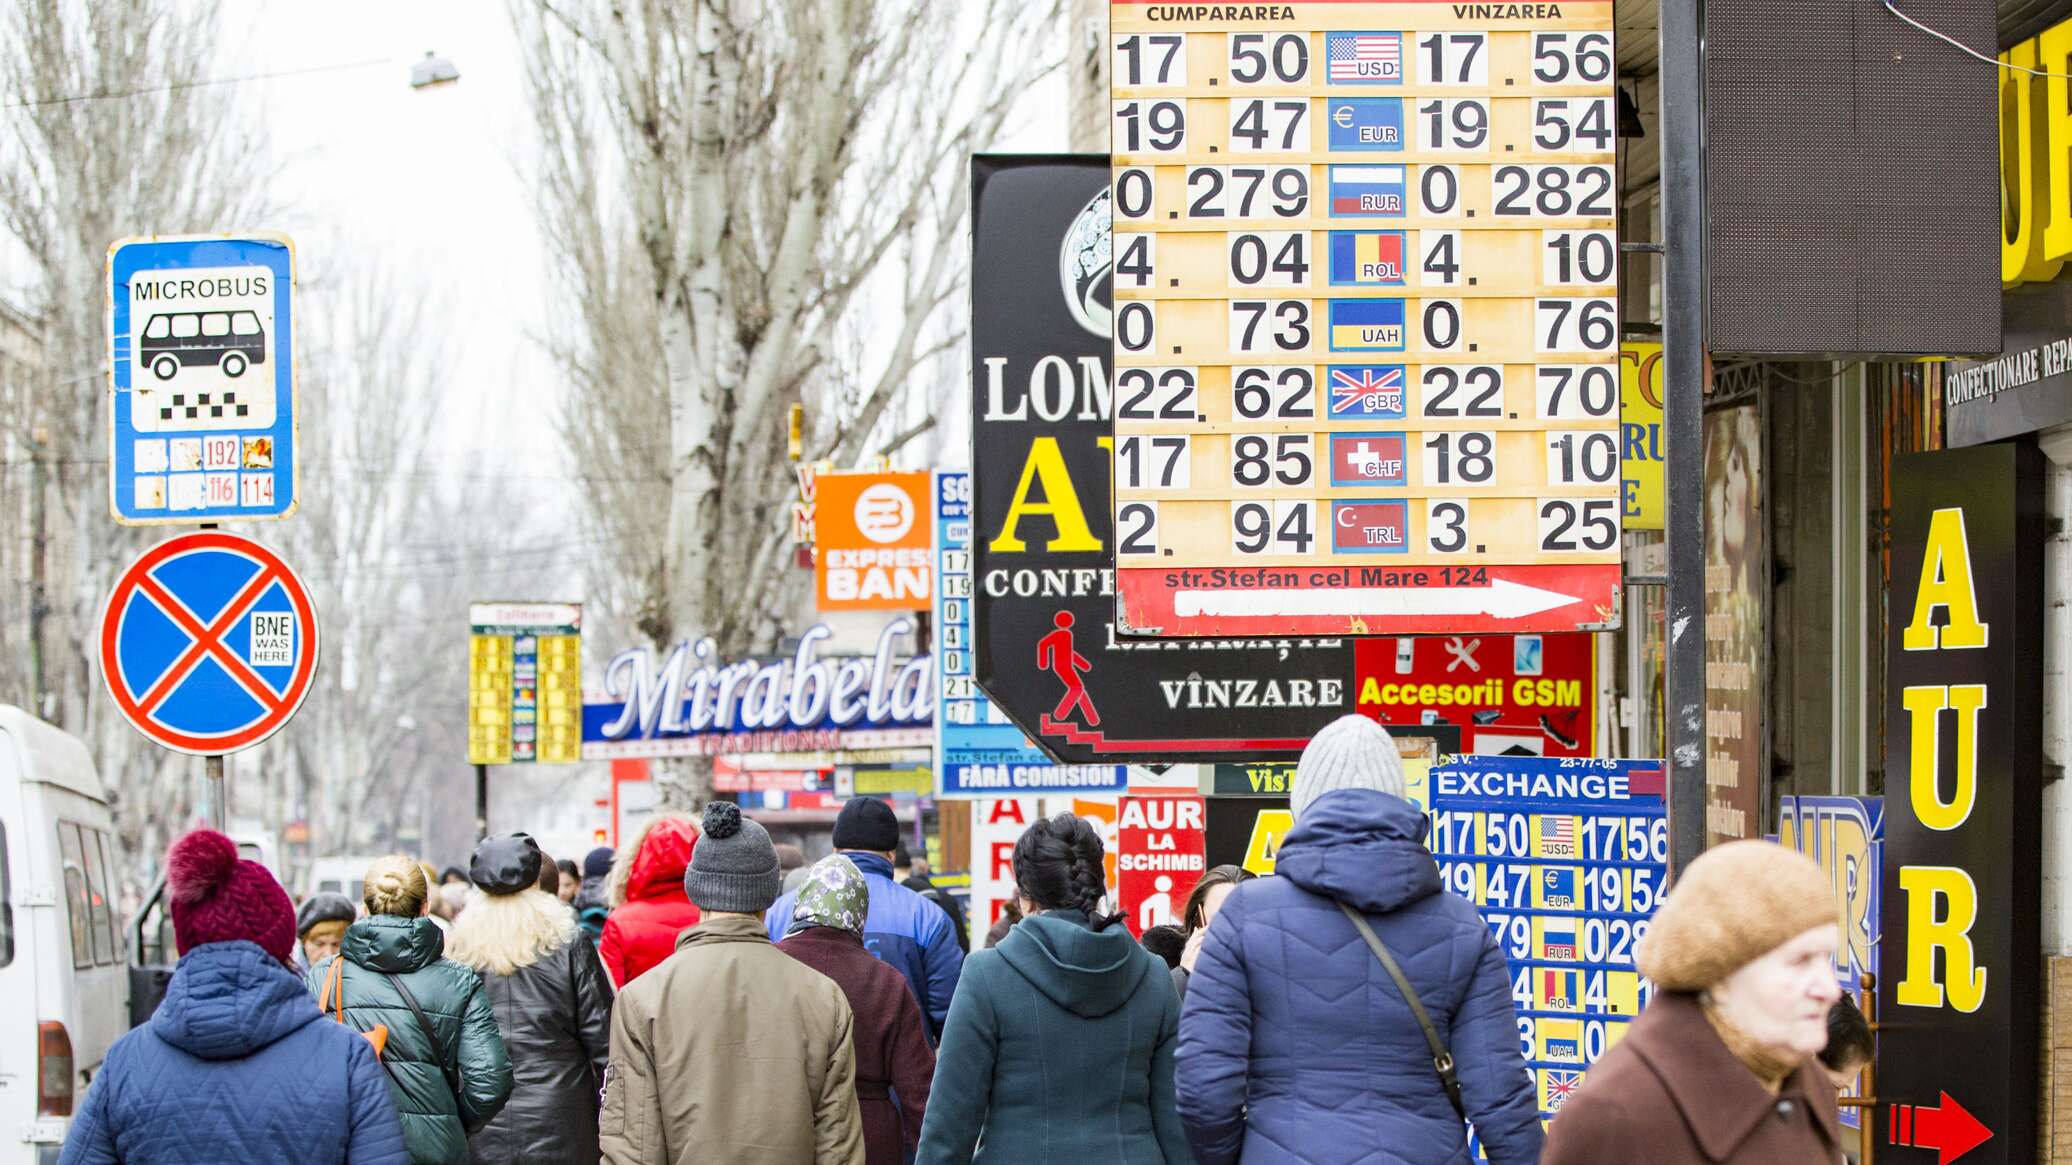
[
  {"x": 481, "y": 802},
  {"x": 1683, "y": 409},
  {"x": 215, "y": 800}
]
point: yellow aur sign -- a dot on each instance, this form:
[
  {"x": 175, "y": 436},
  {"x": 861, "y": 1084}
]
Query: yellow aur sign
[
  {"x": 1365, "y": 273},
  {"x": 1640, "y": 453}
]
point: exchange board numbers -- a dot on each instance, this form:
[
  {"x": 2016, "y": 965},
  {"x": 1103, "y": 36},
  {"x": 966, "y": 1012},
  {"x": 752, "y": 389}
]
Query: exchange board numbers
[
  {"x": 1272, "y": 527},
  {"x": 1446, "y": 525},
  {"x": 1136, "y": 529},
  {"x": 1438, "y": 263},
  {"x": 1156, "y": 394},
  {"x": 1574, "y": 392},
  {"x": 1453, "y": 58},
  {"x": 1583, "y": 125},
  {"x": 1147, "y": 61},
  {"x": 1265, "y": 325},
  {"x": 1286, "y": 393},
  {"x": 1214, "y": 192},
  {"x": 1152, "y": 462},
  {"x": 1133, "y": 259},
  {"x": 1269, "y": 258},
  {"x": 1551, "y": 191},
  {"x": 1453, "y": 458},
  {"x": 1134, "y": 194},
  {"x": 1462, "y": 391},
  {"x": 1258, "y": 58},
  {"x": 1136, "y": 326},
  {"x": 1271, "y": 460},
  {"x": 1568, "y": 525},
  {"x": 1439, "y": 324},
  {"x": 1266, "y": 125},
  {"x": 1158, "y": 127},
  {"x": 1585, "y": 257},
  {"x": 1582, "y": 457},
  {"x": 1572, "y": 58},
  {"x": 1438, "y": 191},
  {"x": 1575, "y": 325},
  {"x": 1453, "y": 126}
]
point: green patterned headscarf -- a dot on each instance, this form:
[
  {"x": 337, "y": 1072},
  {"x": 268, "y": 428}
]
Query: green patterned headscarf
[{"x": 833, "y": 894}]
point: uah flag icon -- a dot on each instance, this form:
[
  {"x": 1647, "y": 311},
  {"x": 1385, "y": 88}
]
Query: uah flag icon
[{"x": 1367, "y": 325}]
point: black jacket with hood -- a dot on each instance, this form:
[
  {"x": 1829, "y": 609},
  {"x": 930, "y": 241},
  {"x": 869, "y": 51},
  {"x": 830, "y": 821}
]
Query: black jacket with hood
[{"x": 1059, "y": 1047}]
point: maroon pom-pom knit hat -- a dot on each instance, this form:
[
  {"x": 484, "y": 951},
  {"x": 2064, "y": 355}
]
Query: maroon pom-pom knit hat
[{"x": 217, "y": 897}]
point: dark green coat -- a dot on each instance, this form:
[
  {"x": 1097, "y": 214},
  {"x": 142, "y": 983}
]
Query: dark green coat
[{"x": 436, "y": 1123}]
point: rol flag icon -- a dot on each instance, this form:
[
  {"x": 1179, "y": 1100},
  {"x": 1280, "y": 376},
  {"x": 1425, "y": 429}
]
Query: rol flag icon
[{"x": 209, "y": 643}]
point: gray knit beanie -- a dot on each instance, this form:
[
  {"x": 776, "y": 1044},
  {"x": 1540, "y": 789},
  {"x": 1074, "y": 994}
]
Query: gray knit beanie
[
  {"x": 1352, "y": 752},
  {"x": 734, "y": 867}
]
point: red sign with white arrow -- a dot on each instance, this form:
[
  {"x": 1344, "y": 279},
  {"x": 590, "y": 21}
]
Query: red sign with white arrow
[
  {"x": 1368, "y": 600},
  {"x": 1947, "y": 1129}
]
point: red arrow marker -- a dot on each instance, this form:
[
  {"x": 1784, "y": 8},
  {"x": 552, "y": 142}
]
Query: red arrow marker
[{"x": 1949, "y": 1129}]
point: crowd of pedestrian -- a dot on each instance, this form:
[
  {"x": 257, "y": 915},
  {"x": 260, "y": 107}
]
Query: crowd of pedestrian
[{"x": 703, "y": 994}]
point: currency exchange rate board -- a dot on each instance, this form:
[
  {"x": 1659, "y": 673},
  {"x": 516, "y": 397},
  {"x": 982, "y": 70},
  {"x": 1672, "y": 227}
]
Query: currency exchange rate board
[
  {"x": 1366, "y": 326},
  {"x": 1567, "y": 857}
]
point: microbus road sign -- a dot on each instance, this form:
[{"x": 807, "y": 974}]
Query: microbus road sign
[
  {"x": 208, "y": 643},
  {"x": 201, "y": 365}
]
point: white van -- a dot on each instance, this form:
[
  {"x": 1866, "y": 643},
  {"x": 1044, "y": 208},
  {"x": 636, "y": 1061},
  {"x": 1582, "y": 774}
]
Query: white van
[{"x": 64, "y": 989}]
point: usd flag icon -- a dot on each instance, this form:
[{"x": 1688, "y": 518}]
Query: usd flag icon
[
  {"x": 1365, "y": 123},
  {"x": 1363, "y": 391},
  {"x": 1358, "y": 191},
  {"x": 1367, "y": 258},
  {"x": 1558, "y": 837},
  {"x": 1367, "y": 325},
  {"x": 1364, "y": 58}
]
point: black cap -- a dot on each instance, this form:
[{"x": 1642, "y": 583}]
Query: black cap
[
  {"x": 866, "y": 823},
  {"x": 324, "y": 906},
  {"x": 506, "y": 864}
]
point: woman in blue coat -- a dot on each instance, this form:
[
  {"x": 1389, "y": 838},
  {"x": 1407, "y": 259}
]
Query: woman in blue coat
[
  {"x": 236, "y": 1064},
  {"x": 1295, "y": 1044},
  {"x": 1059, "y": 1044}
]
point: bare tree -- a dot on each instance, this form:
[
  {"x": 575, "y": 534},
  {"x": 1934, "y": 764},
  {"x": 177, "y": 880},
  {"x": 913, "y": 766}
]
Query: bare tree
[
  {"x": 754, "y": 204},
  {"x": 109, "y": 130}
]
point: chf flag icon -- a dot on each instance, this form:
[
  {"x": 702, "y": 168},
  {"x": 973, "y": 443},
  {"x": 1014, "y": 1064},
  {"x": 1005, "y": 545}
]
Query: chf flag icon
[
  {"x": 1365, "y": 123},
  {"x": 1367, "y": 258}
]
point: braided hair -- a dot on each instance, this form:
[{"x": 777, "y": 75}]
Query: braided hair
[{"x": 1058, "y": 866}]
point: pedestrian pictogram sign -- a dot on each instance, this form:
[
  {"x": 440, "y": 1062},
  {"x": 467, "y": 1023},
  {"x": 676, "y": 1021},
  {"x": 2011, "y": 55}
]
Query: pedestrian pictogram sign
[
  {"x": 1365, "y": 318},
  {"x": 209, "y": 643},
  {"x": 201, "y": 361}
]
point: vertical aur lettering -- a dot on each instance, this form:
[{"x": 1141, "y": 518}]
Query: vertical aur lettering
[
  {"x": 1947, "y": 929},
  {"x": 1945, "y": 582},
  {"x": 1925, "y": 706}
]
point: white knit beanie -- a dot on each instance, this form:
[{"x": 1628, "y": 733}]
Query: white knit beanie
[{"x": 1352, "y": 752}]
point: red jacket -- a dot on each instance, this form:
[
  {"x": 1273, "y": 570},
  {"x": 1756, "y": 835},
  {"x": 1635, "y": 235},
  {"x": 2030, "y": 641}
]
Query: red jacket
[
  {"x": 891, "y": 1039},
  {"x": 641, "y": 932}
]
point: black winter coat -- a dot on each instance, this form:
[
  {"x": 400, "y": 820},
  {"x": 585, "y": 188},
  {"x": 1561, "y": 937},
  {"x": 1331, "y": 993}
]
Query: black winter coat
[{"x": 556, "y": 1017}]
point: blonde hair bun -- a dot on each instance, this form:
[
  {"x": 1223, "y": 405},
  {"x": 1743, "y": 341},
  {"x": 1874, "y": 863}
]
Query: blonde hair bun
[{"x": 395, "y": 885}]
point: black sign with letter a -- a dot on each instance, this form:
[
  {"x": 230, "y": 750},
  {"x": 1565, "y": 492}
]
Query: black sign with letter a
[{"x": 1961, "y": 906}]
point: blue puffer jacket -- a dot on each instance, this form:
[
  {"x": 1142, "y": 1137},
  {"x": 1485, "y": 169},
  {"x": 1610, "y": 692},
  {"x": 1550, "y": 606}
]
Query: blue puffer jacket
[
  {"x": 1296, "y": 1046},
  {"x": 903, "y": 929},
  {"x": 237, "y": 1065}
]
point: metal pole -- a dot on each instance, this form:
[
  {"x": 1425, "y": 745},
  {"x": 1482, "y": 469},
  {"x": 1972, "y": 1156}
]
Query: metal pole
[
  {"x": 481, "y": 802},
  {"x": 215, "y": 801},
  {"x": 1683, "y": 406}
]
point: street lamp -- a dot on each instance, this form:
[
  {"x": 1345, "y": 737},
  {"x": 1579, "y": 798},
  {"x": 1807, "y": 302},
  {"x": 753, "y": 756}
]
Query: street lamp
[{"x": 433, "y": 70}]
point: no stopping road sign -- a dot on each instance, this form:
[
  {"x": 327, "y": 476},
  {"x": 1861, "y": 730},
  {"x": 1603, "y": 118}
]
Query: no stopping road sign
[{"x": 209, "y": 643}]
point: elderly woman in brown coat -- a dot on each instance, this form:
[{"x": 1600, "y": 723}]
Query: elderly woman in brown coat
[{"x": 1720, "y": 1068}]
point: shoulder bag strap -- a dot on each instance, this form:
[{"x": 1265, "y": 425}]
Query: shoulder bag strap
[
  {"x": 431, "y": 1033},
  {"x": 1442, "y": 1060}
]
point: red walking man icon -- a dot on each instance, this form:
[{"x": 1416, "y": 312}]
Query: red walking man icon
[{"x": 1054, "y": 652}]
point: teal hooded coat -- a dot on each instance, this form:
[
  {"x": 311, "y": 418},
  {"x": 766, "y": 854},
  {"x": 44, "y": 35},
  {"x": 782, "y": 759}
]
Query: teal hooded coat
[
  {"x": 1059, "y": 1047},
  {"x": 436, "y": 1122}
]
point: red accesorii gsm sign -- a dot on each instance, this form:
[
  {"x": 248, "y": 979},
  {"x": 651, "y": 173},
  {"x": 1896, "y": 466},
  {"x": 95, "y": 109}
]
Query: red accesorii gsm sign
[{"x": 1517, "y": 695}]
